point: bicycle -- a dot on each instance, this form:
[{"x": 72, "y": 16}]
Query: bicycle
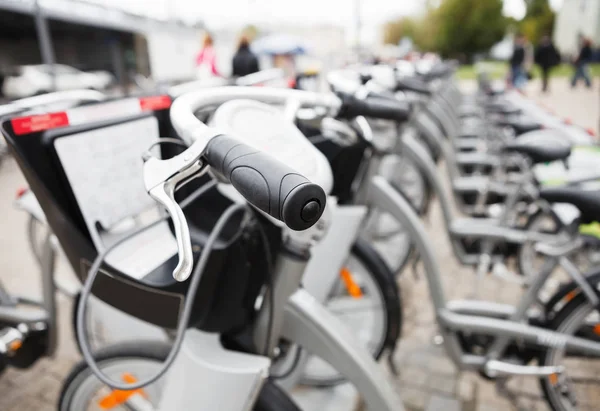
[{"x": 130, "y": 307}]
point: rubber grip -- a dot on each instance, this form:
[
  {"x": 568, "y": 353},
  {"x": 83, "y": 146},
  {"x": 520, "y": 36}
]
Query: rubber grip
[
  {"x": 266, "y": 183},
  {"x": 374, "y": 106},
  {"x": 413, "y": 84}
]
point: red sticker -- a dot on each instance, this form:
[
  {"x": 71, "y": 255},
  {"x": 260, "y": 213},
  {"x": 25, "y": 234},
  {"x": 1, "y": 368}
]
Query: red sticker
[
  {"x": 32, "y": 124},
  {"x": 155, "y": 103}
]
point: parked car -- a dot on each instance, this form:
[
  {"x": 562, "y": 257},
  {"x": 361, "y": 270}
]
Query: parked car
[{"x": 36, "y": 79}]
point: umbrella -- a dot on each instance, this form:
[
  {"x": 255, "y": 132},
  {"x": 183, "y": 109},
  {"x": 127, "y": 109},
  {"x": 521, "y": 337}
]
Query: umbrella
[{"x": 278, "y": 44}]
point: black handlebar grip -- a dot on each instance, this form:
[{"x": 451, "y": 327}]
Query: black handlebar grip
[
  {"x": 375, "y": 106},
  {"x": 266, "y": 183},
  {"x": 413, "y": 84}
]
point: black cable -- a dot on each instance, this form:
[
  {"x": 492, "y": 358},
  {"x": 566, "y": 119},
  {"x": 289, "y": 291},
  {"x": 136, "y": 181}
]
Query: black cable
[
  {"x": 270, "y": 282},
  {"x": 292, "y": 367},
  {"x": 197, "y": 193},
  {"x": 268, "y": 255},
  {"x": 168, "y": 140},
  {"x": 187, "y": 310}
]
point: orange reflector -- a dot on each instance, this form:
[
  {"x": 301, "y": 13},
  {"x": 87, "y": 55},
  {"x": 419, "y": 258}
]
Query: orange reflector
[
  {"x": 553, "y": 378},
  {"x": 571, "y": 295},
  {"x": 15, "y": 345},
  {"x": 351, "y": 286},
  {"x": 119, "y": 397},
  {"x": 597, "y": 329}
]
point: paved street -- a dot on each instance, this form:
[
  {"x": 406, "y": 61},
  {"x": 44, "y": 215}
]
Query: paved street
[
  {"x": 579, "y": 105},
  {"x": 427, "y": 379}
]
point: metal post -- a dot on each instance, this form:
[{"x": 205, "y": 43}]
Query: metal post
[
  {"x": 116, "y": 51},
  {"x": 357, "y": 22},
  {"x": 45, "y": 41}
]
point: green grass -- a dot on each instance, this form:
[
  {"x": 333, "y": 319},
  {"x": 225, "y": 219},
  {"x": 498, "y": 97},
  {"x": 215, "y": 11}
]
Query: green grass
[{"x": 498, "y": 70}]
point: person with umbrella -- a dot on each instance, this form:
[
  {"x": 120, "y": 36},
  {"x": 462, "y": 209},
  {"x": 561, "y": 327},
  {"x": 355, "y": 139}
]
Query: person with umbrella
[{"x": 283, "y": 48}]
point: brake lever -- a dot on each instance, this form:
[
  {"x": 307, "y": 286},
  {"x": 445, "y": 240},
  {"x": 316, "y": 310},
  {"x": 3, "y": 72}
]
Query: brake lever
[{"x": 162, "y": 178}]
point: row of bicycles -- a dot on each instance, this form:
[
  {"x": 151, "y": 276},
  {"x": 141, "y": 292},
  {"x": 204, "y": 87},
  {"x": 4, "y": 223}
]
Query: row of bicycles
[{"x": 235, "y": 242}]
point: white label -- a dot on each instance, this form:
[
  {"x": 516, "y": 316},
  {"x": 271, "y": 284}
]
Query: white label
[{"x": 104, "y": 169}]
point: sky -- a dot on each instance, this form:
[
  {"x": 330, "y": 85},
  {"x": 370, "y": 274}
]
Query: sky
[{"x": 223, "y": 13}]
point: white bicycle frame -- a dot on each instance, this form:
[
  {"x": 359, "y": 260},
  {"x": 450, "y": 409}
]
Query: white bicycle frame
[
  {"x": 306, "y": 322},
  {"x": 297, "y": 316}
]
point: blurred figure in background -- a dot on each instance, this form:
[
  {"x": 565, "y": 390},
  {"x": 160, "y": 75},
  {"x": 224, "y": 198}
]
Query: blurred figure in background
[
  {"x": 244, "y": 61},
  {"x": 518, "y": 76},
  {"x": 581, "y": 64},
  {"x": 206, "y": 60},
  {"x": 547, "y": 57}
]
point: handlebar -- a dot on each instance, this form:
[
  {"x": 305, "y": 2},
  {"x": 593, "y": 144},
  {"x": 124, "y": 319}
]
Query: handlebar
[
  {"x": 413, "y": 84},
  {"x": 266, "y": 183},
  {"x": 375, "y": 106},
  {"x": 51, "y": 98},
  {"x": 263, "y": 181}
]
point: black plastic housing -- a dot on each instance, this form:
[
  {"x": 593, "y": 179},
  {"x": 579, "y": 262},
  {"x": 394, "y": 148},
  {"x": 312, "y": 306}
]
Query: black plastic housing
[{"x": 237, "y": 266}]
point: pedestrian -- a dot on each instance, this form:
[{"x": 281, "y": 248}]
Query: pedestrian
[
  {"x": 581, "y": 64},
  {"x": 206, "y": 60},
  {"x": 518, "y": 76},
  {"x": 547, "y": 57},
  {"x": 244, "y": 61}
]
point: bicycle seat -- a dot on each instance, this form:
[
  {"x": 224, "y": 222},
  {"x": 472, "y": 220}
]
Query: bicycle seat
[
  {"x": 413, "y": 84},
  {"x": 502, "y": 107},
  {"x": 587, "y": 202},
  {"x": 540, "y": 147},
  {"x": 520, "y": 125}
]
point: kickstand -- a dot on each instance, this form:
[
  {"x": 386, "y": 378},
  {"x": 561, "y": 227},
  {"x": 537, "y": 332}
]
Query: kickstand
[
  {"x": 390, "y": 361},
  {"x": 415, "y": 263},
  {"x": 503, "y": 391}
]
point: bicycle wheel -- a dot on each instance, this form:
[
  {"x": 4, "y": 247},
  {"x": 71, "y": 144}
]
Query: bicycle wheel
[
  {"x": 82, "y": 391},
  {"x": 36, "y": 234},
  {"x": 577, "y": 387},
  {"x": 404, "y": 175},
  {"x": 529, "y": 261},
  {"x": 369, "y": 302}
]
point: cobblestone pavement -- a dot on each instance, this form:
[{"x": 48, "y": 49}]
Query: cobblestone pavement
[
  {"x": 580, "y": 105},
  {"x": 428, "y": 379}
]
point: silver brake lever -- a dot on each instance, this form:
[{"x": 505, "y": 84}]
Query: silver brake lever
[{"x": 161, "y": 179}]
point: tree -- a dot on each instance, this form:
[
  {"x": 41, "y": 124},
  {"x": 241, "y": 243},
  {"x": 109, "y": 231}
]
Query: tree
[
  {"x": 538, "y": 21},
  {"x": 455, "y": 28},
  {"x": 395, "y": 30},
  {"x": 421, "y": 30},
  {"x": 468, "y": 27},
  {"x": 250, "y": 31}
]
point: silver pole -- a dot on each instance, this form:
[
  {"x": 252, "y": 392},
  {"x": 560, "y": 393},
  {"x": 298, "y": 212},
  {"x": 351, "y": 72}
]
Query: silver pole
[
  {"x": 357, "y": 23},
  {"x": 45, "y": 40}
]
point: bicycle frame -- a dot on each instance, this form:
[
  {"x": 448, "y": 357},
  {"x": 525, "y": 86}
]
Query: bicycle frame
[
  {"x": 42, "y": 315},
  {"x": 299, "y": 318},
  {"x": 493, "y": 230},
  {"x": 503, "y": 322}
]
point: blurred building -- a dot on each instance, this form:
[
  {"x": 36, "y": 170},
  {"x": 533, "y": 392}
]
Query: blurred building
[
  {"x": 91, "y": 36},
  {"x": 577, "y": 18}
]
